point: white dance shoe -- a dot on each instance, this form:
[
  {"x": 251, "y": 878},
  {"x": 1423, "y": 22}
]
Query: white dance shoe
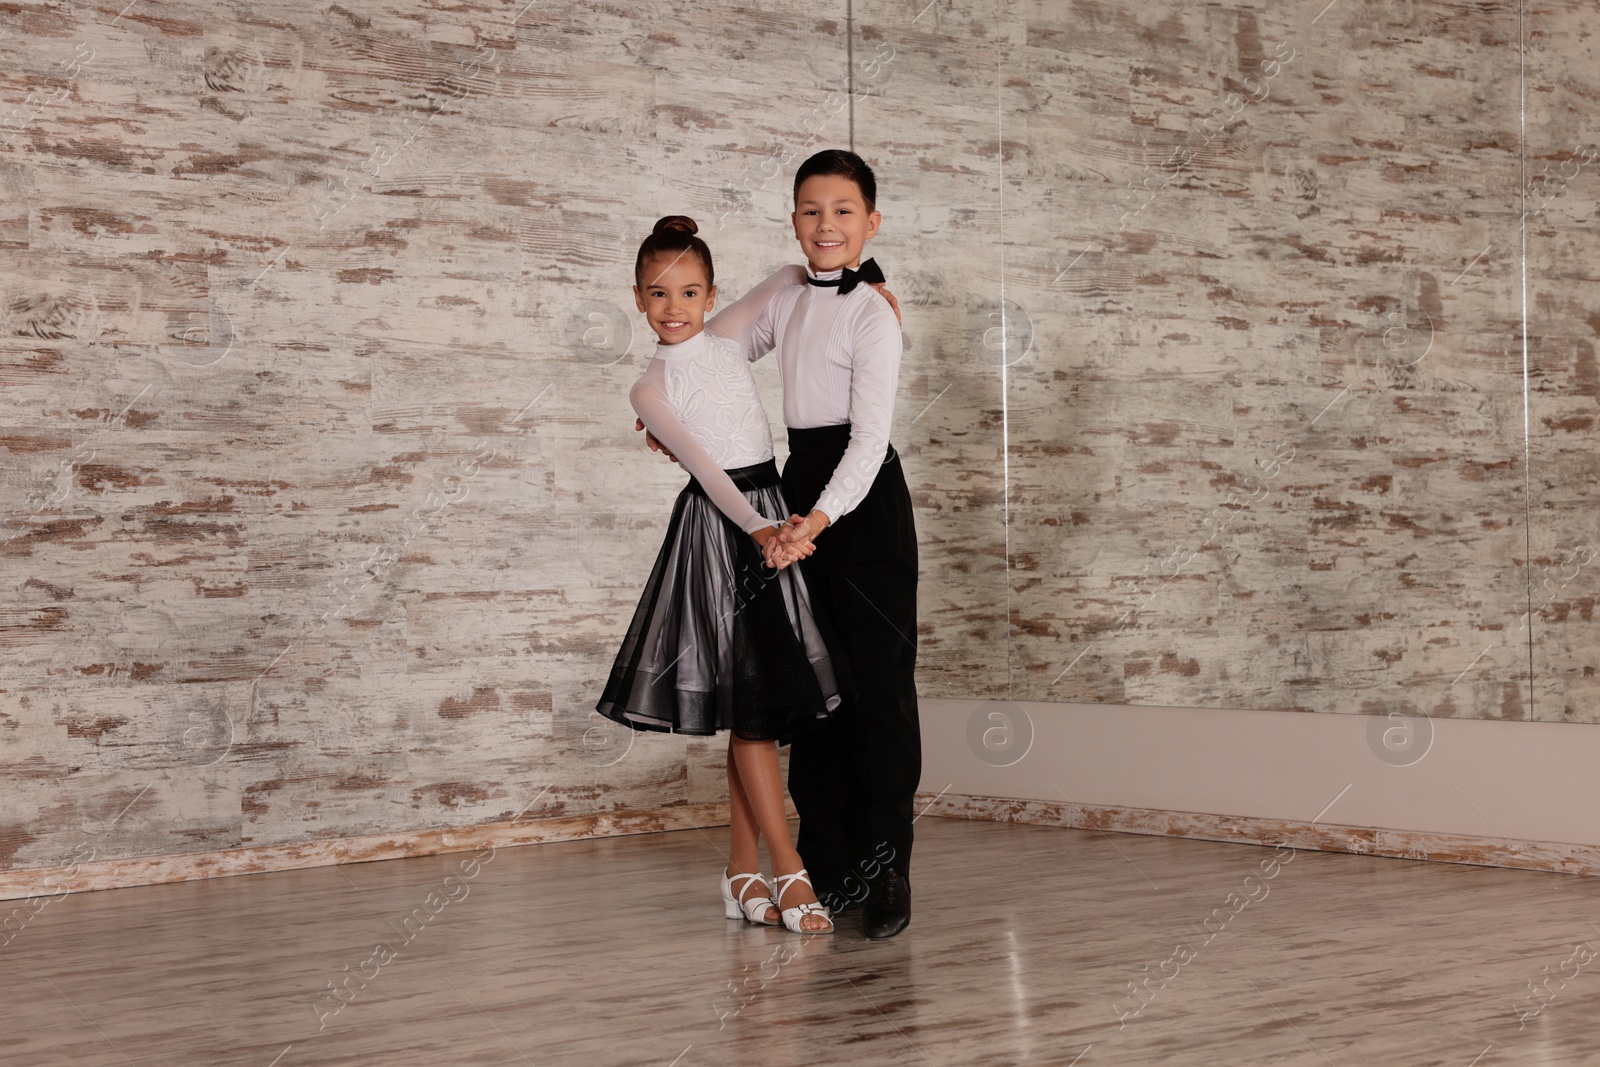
[{"x": 755, "y": 908}]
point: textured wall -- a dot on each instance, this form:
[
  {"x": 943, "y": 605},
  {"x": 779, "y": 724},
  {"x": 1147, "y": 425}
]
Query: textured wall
[
  {"x": 1298, "y": 502},
  {"x": 322, "y": 514},
  {"x": 323, "y": 510},
  {"x": 1262, "y": 412},
  {"x": 1261, "y": 392}
]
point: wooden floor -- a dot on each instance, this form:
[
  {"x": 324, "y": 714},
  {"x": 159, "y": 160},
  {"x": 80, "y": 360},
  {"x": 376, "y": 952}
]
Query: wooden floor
[{"x": 1021, "y": 951}]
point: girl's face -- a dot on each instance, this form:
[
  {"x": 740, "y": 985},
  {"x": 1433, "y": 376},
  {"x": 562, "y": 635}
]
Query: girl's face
[
  {"x": 675, "y": 296},
  {"x": 831, "y": 221}
]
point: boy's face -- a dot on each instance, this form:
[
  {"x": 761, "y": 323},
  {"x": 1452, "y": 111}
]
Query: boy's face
[
  {"x": 831, "y": 221},
  {"x": 675, "y": 296}
]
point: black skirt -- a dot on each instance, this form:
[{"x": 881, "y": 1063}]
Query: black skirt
[{"x": 719, "y": 641}]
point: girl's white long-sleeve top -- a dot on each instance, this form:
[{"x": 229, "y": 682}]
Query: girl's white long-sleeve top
[{"x": 699, "y": 399}]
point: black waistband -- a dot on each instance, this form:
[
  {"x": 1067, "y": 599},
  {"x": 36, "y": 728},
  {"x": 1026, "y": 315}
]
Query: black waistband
[
  {"x": 826, "y": 441},
  {"x": 757, "y": 476}
]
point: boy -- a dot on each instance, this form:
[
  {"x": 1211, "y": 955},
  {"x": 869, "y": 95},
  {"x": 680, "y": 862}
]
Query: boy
[{"x": 854, "y": 778}]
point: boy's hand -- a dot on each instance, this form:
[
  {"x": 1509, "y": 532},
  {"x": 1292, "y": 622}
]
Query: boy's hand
[
  {"x": 887, "y": 295},
  {"x": 803, "y": 531},
  {"x": 650, "y": 439},
  {"x": 779, "y": 556},
  {"x": 776, "y": 553}
]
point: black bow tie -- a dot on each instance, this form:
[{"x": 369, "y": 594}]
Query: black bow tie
[{"x": 849, "y": 279}]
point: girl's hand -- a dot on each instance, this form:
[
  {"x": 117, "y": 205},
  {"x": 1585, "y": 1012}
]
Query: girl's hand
[
  {"x": 783, "y": 555},
  {"x": 650, "y": 439},
  {"x": 887, "y": 295},
  {"x": 776, "y": 553},
  {"x": 779, "y": 558},
  {"x": 803, "y": 531}
]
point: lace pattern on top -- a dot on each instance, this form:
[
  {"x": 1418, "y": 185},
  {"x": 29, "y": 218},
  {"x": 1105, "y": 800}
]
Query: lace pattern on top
[{"x": 713, "y": 393}]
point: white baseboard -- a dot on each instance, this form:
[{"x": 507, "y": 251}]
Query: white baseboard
[{"x": 1510, "y": 793}]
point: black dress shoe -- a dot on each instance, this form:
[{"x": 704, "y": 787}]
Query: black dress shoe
[{"x": 888, "y": 908}]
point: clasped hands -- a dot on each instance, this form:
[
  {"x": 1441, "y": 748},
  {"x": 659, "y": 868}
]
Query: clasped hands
[{"x": 791, "y": 543}]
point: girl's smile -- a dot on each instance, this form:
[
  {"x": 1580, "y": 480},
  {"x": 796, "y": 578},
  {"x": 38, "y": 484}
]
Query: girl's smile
[{"x": 675, "y": 296}]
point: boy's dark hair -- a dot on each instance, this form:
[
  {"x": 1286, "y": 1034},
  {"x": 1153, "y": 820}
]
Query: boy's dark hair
[
  {"x": 845, "y": 165},
  {"x": 673, "y": 235}
]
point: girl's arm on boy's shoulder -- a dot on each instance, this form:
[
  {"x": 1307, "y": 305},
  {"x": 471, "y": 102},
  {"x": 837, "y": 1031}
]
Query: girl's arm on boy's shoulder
[
  {"x": 882, "y": 290},
  {"x": 649, "y": 399},
  {"x": 745, "y": 321}
]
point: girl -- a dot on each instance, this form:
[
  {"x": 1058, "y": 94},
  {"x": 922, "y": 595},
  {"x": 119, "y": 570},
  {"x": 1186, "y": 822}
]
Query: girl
[{"x": 720, "y": 640}]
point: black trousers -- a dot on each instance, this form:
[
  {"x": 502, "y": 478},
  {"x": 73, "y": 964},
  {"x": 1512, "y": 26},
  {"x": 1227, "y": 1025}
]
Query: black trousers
[{"x": 853, "y": 778}]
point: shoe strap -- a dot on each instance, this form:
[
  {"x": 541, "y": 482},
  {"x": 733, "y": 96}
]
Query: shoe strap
[
  {"x": 783, "y": 881},
  {"x": 733, "y": 882}
]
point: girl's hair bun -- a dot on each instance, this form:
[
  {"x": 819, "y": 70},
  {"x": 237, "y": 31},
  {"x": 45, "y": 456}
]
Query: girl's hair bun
[
  {"x": 672, "y": 236},
  {"x": 676, "y": 222}
]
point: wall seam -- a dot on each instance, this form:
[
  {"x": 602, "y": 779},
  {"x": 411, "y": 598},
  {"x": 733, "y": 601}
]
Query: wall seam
[{"x": 1527, "y": 383}]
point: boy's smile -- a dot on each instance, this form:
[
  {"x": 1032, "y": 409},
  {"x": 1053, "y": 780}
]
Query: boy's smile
[
  {"x": 831, "y": 222},
  {"x": 675, "y": 296}
]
